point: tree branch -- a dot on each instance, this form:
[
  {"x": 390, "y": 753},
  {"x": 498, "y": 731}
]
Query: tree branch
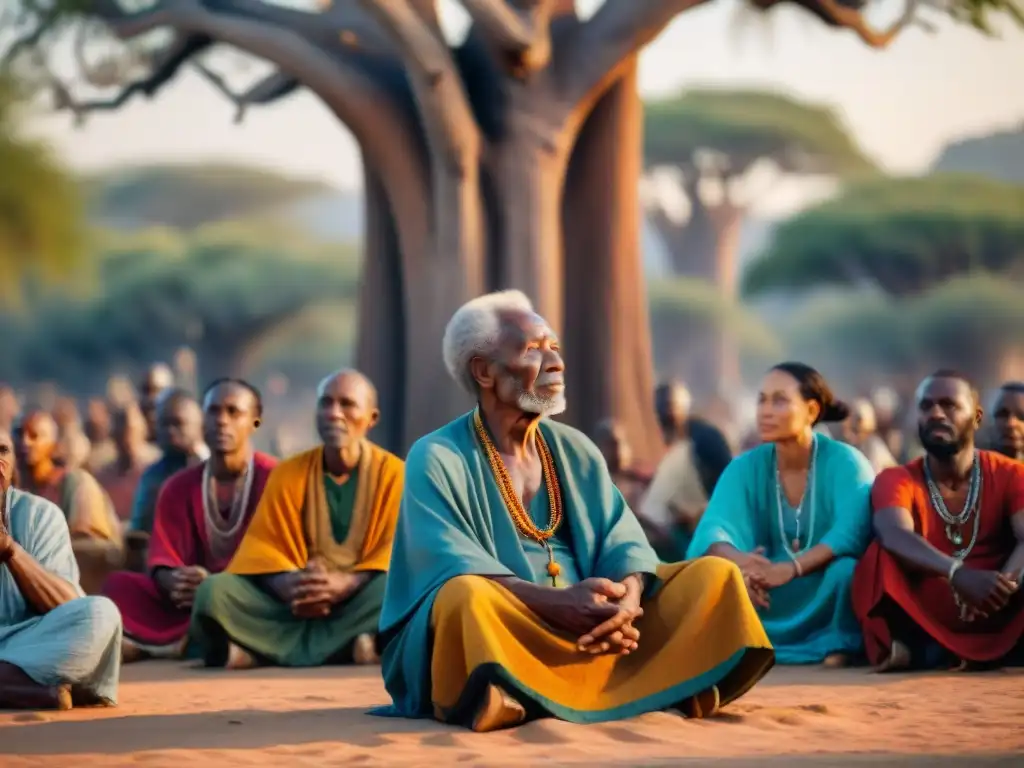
[
  {"x": 166, "y": 65},
  {"x": 274, "y": 87},
  {"x": 523, "y": 35},
  {"x": 27, "y": 41},
  {"x": 437, "y": 84},
  {"x": 598, "y": 49},
  {"x": 839, "y": 15}
]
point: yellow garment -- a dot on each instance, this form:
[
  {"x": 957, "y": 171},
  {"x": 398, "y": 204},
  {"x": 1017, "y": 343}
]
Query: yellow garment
[
  {"x": 89, "y": 510},
  {"x": 292, "y": 526},
  {"x": 699, "y": 630}
]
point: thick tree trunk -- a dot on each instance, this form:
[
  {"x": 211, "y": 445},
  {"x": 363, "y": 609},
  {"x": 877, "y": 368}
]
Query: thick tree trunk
[
  {"x": 607, "y": 335},
  {"x": 529, "y": 181},
  {"x": 381, "y": 351},
  {"x": 434, "y": 289}
]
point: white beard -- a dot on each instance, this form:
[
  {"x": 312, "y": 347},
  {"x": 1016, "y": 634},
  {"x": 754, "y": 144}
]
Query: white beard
[{"x": 542, "y": 406}]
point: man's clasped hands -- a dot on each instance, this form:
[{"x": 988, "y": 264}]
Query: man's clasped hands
[{"x": 601, "y": 613}]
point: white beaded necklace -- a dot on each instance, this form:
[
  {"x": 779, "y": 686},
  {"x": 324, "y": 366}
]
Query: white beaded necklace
[
  {"x": 807, "y": 498},
  {"x": 222, "y": 534}
]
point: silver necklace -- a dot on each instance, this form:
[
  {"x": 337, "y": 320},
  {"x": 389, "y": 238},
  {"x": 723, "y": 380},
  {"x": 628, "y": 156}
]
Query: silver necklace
[
  {"x": 223, "y": 534},
  {"x": 953, "y": 523},
  {"x": 796, "y": 546}
]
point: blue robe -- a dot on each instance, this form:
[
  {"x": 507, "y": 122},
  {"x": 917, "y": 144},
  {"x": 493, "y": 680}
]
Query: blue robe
[
  {"x": 453, "y": 522},
  {"x": 77, "y": 643},
  {"x": 812, "y": 616}
]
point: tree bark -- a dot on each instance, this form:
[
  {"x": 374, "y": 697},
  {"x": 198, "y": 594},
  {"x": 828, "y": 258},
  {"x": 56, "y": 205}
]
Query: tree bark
[
  {"x": 607, "y": 337},
  {"x": 529, "y": 184},
  {"x": 381, "y": 351}
]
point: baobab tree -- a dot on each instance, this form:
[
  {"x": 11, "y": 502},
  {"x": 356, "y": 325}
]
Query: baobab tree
[{"x": 510, "y": 160}]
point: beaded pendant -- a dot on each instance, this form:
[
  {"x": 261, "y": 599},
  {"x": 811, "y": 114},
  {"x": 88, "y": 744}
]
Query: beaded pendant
[{"x": 520, "y": 517}]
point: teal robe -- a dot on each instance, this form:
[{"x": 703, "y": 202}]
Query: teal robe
[
  {"x": 77, "y": 643},
  {"x": 812, "y": 616},
  {"x": 453, "y": 522}
]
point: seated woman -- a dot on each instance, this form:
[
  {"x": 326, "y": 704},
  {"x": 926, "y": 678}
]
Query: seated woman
[{"x": 794, "y": 513}]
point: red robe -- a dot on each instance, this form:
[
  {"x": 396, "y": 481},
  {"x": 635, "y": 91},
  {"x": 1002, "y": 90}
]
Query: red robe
[
  {"x": 928, "y": 600},
  {"x": 179, "y": 539}
]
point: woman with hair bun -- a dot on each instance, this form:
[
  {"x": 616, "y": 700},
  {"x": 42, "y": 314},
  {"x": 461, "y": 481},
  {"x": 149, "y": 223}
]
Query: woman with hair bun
[{"x": 795, "y": 514}]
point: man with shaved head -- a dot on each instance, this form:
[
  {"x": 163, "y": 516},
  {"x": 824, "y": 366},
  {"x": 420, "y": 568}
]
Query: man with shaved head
[
  {"x": 942, "y": 582},
  {"x": 95, "y": 530},
  {"x": 307, "y": 583},
  {"x": 57, "y": 648}
]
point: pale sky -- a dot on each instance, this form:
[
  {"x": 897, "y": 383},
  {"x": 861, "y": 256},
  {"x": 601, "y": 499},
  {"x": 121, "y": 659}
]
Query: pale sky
[{"x": 903, "y": 104}]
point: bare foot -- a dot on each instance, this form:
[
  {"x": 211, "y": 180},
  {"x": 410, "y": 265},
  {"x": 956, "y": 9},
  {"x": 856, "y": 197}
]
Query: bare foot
[
  {"x": 836, "y": 661},
  {"x": 899, "y": 659},
  {"x": 704, "y": 704},
  {"x": 497, "y": 710},
  {"x": 239, "y": 658},
  {"x": 364, "y": 651},
  {"x": 63, "y": 695},
  {"x": 130, "y": 652}
]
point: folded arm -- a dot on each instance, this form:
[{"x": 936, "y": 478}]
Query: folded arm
[
  {"x": 1014, "y": 567},
  {"x": 895, "y": 529}
]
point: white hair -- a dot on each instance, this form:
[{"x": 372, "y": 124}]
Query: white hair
[{"x": 475, "y": 330}]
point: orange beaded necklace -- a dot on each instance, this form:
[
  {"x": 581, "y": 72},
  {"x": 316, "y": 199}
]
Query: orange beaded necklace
[{"x": 523, "y": 522}]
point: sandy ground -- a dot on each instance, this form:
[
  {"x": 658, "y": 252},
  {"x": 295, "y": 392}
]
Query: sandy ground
[{"x": 185, "y": 718}]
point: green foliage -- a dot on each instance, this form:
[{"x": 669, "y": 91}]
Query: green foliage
[
  {"x": 685, "y": 312},
  {"x": 968, "y": 323},
  {"x": 747, "y": 126},
  {"x": 899, "y": 235},
  {"x": 220, "y": 296},
  {"x": 997, "y": 155},
  {"x": 185, "y": 196},
  {"x": 980, "y": 13},
  {"x": 212, "y": 192},
  {"x": 42, "y": 228}
]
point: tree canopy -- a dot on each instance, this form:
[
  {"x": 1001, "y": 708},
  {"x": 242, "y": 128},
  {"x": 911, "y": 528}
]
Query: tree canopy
[
  {"x": 899, "y": 235},
  {"x": 969, "y": 323},
  {"x": 223, "y": 296},
  {"x": 186, "y": 196},
  {"x": 42, "y": 226},
  {"x": 747, "y": 126},
  {"x": 998, "y": 155}
]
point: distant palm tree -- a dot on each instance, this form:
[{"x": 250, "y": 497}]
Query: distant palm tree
[{"x": 42, "y": 222}]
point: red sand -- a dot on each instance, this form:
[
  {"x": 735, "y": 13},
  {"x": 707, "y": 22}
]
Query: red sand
[{"x": 175, "y": 716}]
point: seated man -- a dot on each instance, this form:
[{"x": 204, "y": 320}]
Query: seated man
[
  {"x": 306, "y": 585},
  {"x": 95, "y": 530},
  {"x": 522, "y": 585},
  {"x": 201, "y": 515},
  {"x": 179, "y": 435},
  {"x": 1008, "y": 420},
  {"x": 57, "y": 648},
  {"x": 943, "y": 577}
]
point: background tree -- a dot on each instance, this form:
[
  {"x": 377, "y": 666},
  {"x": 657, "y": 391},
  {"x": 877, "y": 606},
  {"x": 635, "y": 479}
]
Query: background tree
[
  {"x": 974, "y": 323},
  {"x": 901, "y": 236},
  {"x": 705, "y": 313},
  {"x": 467, "y": 153},
  {"x": 42, "y": 228},
  {"x": 230, "y": 299},
  {"x": 187, "y": 196},
  {"x": 998, "y": 155},
  {"x": 712, "y": 141}
]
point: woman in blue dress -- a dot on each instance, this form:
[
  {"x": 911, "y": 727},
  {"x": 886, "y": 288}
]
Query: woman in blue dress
[{"x": 795, "y": 514}]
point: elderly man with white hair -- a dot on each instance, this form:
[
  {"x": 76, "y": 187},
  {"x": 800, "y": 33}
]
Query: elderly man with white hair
[
  {"x": 305, "y": 586},
  {"x": 522, "y": 585}
]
